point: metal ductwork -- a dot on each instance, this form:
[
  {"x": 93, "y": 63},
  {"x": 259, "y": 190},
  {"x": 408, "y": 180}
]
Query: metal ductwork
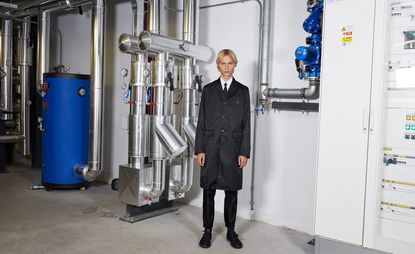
[
  {"x": 91, "y": 171},
  {"x": 139, "y": 183},
  {"x": 165, "y": 142}
]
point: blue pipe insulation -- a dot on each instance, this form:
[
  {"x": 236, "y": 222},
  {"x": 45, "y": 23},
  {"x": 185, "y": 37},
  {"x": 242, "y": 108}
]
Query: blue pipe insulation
[{"x": 308, "y": 58}]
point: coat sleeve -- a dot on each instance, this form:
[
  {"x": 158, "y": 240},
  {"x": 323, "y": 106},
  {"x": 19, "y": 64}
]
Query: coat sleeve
[
  {"x": 245, "y": 149},
  {"x": 200, "y": 129}
]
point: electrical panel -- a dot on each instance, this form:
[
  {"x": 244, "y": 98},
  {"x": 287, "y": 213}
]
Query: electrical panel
[{"x": 396, "y": 204}]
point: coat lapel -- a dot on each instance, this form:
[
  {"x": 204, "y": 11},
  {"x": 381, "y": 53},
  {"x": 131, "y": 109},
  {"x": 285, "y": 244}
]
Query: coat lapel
[{"x": 233, "y": 88}]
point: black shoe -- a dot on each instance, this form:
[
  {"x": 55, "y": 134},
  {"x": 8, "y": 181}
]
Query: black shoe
[
  {"x": 205, "y": 240},
  {"x": 232, "y": 237}
]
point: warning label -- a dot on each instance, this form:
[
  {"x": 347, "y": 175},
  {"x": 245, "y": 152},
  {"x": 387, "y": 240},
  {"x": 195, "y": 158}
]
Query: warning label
[{"x": 347, "y": 35}]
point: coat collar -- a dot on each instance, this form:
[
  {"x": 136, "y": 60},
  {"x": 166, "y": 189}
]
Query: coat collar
[{"x": 232, "y": 89}]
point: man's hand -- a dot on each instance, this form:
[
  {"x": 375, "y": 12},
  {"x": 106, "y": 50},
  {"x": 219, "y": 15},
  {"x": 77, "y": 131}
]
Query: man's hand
[
  {"x": 201, "y": 159},
  {"x": 242, "y": 161}
]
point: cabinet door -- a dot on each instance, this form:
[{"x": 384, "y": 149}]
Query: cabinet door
[{"x": 344, "y": 116}]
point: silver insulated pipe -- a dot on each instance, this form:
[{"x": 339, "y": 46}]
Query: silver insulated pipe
[
  {"x": 6, "y": 102},
  {"x": 155, "y": 43},
  {"x": 165, "y": 142},
  {"x": 138, "y": 120},
  {"x": 25, "y": 61},
  {"x": 43, "y": 41},
  {"x": 91, "y": 171},
  {"x": 181, "y": 181}
]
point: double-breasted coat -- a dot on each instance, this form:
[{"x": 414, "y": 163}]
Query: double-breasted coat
[{"x": 223, "y": 133}]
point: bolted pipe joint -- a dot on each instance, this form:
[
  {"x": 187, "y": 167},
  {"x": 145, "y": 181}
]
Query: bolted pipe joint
[{"x": 263, "y": 97}]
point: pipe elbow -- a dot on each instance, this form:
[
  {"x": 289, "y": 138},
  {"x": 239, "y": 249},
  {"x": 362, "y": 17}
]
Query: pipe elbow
[
  {"x": 312, "y": 92},
  {"x": 86, "y": 172}
]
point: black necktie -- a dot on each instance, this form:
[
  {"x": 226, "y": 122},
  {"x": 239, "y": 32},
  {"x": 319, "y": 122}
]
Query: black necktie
[{"x": 225, "y": 90}]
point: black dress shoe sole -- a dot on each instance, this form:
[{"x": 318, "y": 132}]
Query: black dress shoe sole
[
  {"x": 204, "y": 246},
  {"x": 233, "y": 245}
]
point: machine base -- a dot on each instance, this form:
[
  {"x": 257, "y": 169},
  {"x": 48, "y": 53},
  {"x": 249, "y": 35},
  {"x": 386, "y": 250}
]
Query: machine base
[
  {"x": 52, "y": 186},
  {"x": 138, "y": 213},
  {"x": 325, "y": 246}
]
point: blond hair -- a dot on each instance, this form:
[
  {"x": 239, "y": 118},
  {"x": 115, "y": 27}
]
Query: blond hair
[{"x": 226, "y": 52}]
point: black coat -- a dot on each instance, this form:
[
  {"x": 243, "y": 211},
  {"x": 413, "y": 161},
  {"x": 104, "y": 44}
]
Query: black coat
[{"x": 223, "y": 133}]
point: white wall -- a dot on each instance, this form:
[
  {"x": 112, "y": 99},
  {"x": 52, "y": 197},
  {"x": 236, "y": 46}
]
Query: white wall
[{"x": 286, "y": 141}]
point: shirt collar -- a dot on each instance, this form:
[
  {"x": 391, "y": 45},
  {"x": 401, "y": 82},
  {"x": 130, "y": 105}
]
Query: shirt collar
[{"x": 228, "y": 83}]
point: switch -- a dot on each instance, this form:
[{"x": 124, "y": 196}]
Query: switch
[
  {"x": 408, "y": 117},
  {"x": 413, "y": 118},
  {"x": 413, "y": 127},
  {"x": 408, "y": 127},
  {"x": 407, "y": 136},
  {"x": 413, "y": 137}
]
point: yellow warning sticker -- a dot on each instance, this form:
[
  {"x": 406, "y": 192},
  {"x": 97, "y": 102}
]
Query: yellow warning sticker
[
  {"x": 347, "y": 39},
  {"x": 347, "y": 35}
]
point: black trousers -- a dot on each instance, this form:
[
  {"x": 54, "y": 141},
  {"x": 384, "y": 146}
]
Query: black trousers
[{"x": 231, "y": 202}]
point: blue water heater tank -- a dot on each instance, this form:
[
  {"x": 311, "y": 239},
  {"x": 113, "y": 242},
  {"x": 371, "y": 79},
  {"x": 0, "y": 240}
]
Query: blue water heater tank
[{"x": 65, "y": 136}]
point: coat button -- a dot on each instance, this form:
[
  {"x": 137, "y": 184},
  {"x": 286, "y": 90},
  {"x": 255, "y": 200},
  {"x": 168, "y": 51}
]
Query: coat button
[
  {"x": 223, "y": 116},
  {"x": 222, "y": 131}
]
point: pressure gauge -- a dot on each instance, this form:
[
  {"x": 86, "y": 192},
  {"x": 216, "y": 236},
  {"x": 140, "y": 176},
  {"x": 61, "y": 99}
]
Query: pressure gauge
[{"x": 146, "y": 72}]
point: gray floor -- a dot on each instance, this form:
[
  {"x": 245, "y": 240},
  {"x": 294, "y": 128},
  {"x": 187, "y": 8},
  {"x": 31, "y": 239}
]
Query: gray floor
[{"x": 87, "y": 222}]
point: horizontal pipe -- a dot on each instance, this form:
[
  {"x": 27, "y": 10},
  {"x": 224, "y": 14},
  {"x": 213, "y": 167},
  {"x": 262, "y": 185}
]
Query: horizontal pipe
[
  {"x": 155, "y": 43},
  {"x": 8, "y": 6},
  {"x": 10, "y": 138},
  {"x": 312, "y": 92},
  {"x": 52, "y": 6}
]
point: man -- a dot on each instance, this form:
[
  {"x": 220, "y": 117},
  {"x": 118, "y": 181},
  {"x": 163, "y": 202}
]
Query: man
[{"x": 223, "y": 144}]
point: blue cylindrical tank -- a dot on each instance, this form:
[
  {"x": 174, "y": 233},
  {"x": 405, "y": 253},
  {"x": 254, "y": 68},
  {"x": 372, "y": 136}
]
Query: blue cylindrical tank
[{"x": 65, "y": 138}]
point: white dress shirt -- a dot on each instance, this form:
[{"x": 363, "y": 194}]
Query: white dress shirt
[{"x": 228, "y": 83}]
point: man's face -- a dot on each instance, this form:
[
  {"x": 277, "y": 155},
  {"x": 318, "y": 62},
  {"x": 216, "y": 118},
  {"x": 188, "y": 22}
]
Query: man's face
[{"x": 226, "y": 67}]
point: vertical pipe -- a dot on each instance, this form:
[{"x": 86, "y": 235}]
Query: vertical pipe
[
  {"x": 137, "y": 122},
  {"x": 137, "y": 133},
  {"x": 43, "y": 37},
  {"x": 154, "y": 16},
  {"x": 25, "y": 62},
  {"x": 265, "y": 51},
  {"x": 190, "y": 25},
  {"x": 6, "y": 102},
  {"x": 188, "y": 18},
  {"x": 94, "y": 167}
]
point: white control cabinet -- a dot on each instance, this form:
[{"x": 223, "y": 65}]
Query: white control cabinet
[{"x": 366, "y": 157}]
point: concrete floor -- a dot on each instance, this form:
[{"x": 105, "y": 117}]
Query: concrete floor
[{"x": 87, "y": 222}]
